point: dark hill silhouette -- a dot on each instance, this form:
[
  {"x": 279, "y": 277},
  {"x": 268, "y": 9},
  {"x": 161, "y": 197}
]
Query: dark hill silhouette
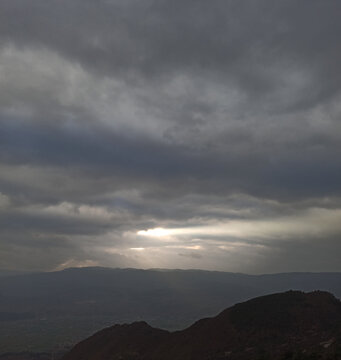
[
  {"x": 131, "y": 340},
  {"x": 290, "y": 325}
]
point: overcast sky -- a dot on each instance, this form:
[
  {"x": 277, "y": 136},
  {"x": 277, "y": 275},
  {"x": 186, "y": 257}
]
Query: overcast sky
[{"x": 170, "y": 134}]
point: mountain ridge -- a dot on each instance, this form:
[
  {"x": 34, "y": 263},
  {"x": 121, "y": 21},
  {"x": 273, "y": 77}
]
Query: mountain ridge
[{"x": 290, "y": 325}]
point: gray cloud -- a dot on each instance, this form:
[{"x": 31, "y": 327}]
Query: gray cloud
[{"x": 122, "y": 116}]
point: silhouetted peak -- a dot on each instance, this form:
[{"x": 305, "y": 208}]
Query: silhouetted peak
[{"x": 293, "y": 322}]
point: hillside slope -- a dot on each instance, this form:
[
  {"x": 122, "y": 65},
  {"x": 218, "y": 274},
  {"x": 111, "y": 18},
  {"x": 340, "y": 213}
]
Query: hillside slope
[{"x": 290, "y": 325}]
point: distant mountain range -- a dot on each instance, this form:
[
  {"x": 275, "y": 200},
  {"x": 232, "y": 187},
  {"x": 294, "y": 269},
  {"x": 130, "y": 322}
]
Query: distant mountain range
[
  {"x": 290, "y": 325},
  {"x": 44, "y": 311}
]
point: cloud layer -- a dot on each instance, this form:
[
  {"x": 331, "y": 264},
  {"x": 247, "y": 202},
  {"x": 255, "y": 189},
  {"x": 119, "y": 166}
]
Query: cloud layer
[{"x": 217, "y": 121}]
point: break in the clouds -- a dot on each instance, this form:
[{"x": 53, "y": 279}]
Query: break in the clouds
[{"x": 179, "y": 134}]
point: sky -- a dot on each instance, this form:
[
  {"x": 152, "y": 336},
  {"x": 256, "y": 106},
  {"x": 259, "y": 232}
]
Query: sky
[{"x": 170, "y": 134}]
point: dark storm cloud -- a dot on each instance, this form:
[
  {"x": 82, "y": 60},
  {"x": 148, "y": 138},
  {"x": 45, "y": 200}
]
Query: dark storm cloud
[
  {"x": 240, "y": 41},
  {"x": 306, "y": 173},
  {"x": 118, "y": 116},
  {"x": 153, "y": 36}
]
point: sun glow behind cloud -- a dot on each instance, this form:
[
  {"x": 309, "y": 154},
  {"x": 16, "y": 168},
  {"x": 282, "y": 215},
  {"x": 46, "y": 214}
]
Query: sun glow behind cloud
[
  {"x": 313, "y": 222},
  {"x": 157, "y": 232},
  {"x": 219, "y": 229}
]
